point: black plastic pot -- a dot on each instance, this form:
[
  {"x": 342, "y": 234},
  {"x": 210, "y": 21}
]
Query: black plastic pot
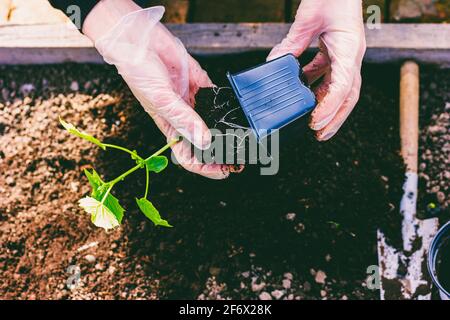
[
  {"x": 440, "y": 242},
  {"x": 273, "y": 95}
]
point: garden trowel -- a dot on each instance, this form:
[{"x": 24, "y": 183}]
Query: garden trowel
[{"x": 403, "y": 271}]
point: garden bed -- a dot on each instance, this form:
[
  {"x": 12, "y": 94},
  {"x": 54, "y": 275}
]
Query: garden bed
[{"x": 308, "y": 232}]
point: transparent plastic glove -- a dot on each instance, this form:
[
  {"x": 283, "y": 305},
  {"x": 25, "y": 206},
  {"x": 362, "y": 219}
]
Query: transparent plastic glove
[
  {"x": 339, "y": 24},
  {"x": 164, "y": 78}
]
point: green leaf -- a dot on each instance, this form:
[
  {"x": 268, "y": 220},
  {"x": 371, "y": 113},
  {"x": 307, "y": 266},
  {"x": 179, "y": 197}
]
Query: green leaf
[
  {"x": 156, "y": 164},
  {"x": 151, "y": 212},
  {"x": 96, "y": 182},
  {"x": 111, "y": 202},
  {"x": 101, "y": 215},
  {"x": 73, "y": 130}
]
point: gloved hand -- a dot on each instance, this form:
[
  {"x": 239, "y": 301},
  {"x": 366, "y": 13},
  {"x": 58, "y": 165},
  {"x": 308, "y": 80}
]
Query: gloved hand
[
  {"x": 339, "y": 23},
  {"x": 162, "y": 76}
]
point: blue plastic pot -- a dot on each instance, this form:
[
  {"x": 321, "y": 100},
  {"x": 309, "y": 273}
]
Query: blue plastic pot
[
  {"x": 272, "y": 95},
  {"x": 441, "y": 239}
]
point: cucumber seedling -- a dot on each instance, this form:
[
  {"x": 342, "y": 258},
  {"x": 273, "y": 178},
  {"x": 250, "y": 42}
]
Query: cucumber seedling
[{"x": 104, "y": 208}]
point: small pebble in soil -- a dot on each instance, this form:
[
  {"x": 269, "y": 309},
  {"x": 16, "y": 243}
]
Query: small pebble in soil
[
  {"x": 256, "y": 287},
  {"x": 74, "y": 185},
  {"x": 10, "y": 181},
  {"x": 74, "y": 86},
  {"x": 320, "y": 277},
  {"x": 99, "y": 267},
  {"x": 286, "y": 283},
  {"x": 214, "y": 271},
  {"x": 288, "y": 276},
  {"x": 90, "y": 258},
  {"x": 26, "y": 89},
  {"x": 277, "y": 294},
  {"x": 265, "y": 296},
  {"x": 5, "y": 94},
  {"x": 441, "y": 197},
  {"x": 300, "y": 227},
  {"x": 111, "y": 270},
  {"x": 290, "y": 216}
]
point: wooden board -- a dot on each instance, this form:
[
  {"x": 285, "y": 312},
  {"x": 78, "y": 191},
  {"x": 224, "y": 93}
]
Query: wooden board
[{"x": 37, "y": 44}]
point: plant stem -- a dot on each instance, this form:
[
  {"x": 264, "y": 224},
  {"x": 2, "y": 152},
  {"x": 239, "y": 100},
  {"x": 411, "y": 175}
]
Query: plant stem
[
  {"x": 167, "y": 146},
  {"x": 122, "y": 149},
  {"x": 138, "y": 166},
  {"x": 147, "y": 178},
  {"x": 107, "y": 192}
]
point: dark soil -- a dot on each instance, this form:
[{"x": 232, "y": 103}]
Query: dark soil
[
  {"x": 222, "y": 113},
  {"x": 434, "y": 163},
  {"x": 220, "y": 109},
  {"x": 307, "y": 233}
]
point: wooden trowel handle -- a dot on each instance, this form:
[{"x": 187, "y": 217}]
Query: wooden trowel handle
[{"x": 409, "y": 114}]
